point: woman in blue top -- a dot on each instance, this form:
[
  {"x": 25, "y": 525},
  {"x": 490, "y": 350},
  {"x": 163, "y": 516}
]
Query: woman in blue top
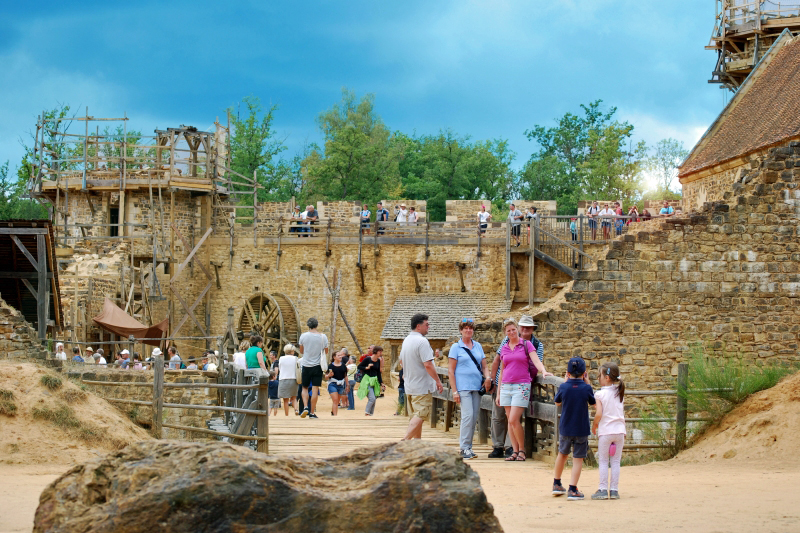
[{"x": 467, "y": 376}]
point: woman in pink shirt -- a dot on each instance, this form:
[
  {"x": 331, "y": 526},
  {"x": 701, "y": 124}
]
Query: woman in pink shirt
[{"x": 515, "y": 383}]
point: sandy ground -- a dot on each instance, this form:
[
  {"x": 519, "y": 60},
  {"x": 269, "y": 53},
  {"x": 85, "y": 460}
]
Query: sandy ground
[{"x": 690, "y": 493}]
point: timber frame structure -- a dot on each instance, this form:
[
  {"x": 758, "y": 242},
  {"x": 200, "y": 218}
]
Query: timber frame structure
[{"x": 743, "y": 32}]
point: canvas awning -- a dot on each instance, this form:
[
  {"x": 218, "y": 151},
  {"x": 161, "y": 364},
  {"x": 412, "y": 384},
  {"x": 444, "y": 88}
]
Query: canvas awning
[{"x": 117, "y": 321}]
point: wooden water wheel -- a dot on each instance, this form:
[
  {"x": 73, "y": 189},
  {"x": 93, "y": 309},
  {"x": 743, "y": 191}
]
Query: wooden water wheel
[{"x": 274, "y": 317}]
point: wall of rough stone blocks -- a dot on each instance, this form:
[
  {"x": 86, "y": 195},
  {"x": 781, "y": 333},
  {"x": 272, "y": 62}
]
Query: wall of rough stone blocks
[
  {"x": 465, "y": 210},
  {"x": 726, "y": 277},
  {"x": 18, "y": 339},
  {"x": 544, "y": 207},
  {"x": 339, "y": 211}
]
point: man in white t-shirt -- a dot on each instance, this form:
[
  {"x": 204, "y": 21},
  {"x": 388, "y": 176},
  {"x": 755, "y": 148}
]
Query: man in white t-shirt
[
  {"x": 593, "y": 211},
  {"x": 313, "y": 346},
  {"x": 606, "y": 216},
  {"x": 419, "y": 375}
]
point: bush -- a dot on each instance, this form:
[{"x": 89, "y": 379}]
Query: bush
[
  {"x": 7, "y": 405},
  {"x": 51, "y": 382},
  {"x": 717, "y": 385},
  {"x": 73, "y": 396}
]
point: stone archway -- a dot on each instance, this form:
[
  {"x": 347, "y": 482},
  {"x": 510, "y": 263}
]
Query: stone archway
[{"x": 273, "y": 316}]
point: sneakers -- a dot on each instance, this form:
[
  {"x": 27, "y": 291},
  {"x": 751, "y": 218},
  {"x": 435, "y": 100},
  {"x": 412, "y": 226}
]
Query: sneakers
[
  {"x": 497, "y": 453},
  {"x": 613, "y": 495},
  {"x": 509, "y": 451},
  {"x": 600, "y": 495},
  {"x": 574, "y": 495},
  {"x": 313, "y": 415},
  {"x": 558, "y": 489},
  {"x": 468, "y": 454},
  {"x": 304, "y": 413}
]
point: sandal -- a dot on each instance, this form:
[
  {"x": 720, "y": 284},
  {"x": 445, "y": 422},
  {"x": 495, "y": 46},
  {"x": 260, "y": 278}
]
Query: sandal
[
  {"x": 512, "y": 457},
  {"x": 520, "y": 456}
]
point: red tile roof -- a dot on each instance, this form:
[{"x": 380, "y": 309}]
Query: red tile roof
[{"x": 765, "y": 112}]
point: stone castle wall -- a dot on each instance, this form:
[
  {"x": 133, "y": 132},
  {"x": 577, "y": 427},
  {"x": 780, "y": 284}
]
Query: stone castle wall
[
  {"x": 18, "y": 339},
  {"x": 465, "y": 210},
  {"x": 727, "y": 277}
]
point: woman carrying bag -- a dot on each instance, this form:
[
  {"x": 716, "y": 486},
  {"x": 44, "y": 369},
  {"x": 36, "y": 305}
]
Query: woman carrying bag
[
  {"x": 372, "y": 383},
  {"x": 469, "y": 379}
]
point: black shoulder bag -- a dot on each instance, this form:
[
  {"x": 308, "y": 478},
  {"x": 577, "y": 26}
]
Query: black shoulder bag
[{"x": 482, "y": 390}]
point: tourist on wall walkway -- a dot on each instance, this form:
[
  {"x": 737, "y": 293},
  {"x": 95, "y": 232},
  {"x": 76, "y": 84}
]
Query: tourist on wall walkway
[
  {"x": 606, "y": 216},
  {"x": 483, "y": 219},
  {"x": 287, "y": 377},
  {"x": 469, "y": 379},
  {"x": 381, "y": 215},
  {"x": 593, "y": 212},
  {"x": 515, "y": 383},
  {"x": 337, "y": 381},
  {"x": 501, "y": 442},
  {"x": 420, "y": 375},
  {"x": 514, "y": 218},
  {"x": 314, "y": 347},
  {"x": 371, "y": 385}
]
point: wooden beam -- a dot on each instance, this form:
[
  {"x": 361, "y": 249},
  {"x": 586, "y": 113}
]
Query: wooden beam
[
  {"x": 25, "y": 251},
  {"x": 42, "y": 303},
  {"x": 191, "y": 254},
  {"x": 23, "y": 231},
  {"x": 23, "y": 275},
  {"x": 30, "y": 288},
  {"x": 189, "y": 310}
]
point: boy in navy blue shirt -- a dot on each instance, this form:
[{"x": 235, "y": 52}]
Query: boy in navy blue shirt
[{"x": 574, "y": 396}]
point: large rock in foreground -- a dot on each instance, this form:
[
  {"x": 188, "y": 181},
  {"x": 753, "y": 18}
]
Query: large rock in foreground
[{"x": 198, "y": 487}]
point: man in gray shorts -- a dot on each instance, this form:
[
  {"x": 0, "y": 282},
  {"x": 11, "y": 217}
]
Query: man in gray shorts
[{"x": 314, "y": 346}]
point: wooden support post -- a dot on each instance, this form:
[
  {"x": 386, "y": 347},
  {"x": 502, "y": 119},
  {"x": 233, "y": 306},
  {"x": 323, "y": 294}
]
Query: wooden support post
[
  {"x": 532, "y": 263},
  {"x": 262, "y": 422},
  {"x": 41, "y": 296},
  {"x": 530, "y": 435},
  {"x": 337, "y": 280},
  {"x": 580, "y": 237},
  {"x": 239, "y": 392},
  {"x": 427, "y": 236},
  {"x": 484, "y": 425},
  {"x": 434, "y": 411},
  {"x": 158, "y": 395},
  {"x": 682, "y": 406},
  {"x": 449, "y": 407},
  {"x": 508, "y": 261}
]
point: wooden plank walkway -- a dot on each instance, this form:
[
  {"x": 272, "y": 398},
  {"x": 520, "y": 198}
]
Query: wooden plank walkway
[{"x": 330, "y": 436}]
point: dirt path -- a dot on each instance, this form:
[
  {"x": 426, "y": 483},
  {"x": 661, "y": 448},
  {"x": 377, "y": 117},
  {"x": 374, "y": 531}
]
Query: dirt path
[{"x": 709, "y": 496}]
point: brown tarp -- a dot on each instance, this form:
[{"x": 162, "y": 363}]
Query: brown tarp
[{"x": 117, "y": 321}]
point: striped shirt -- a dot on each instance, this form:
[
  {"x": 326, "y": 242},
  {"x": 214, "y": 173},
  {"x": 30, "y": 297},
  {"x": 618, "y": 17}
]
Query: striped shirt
[{"x": 539, "y": 353}]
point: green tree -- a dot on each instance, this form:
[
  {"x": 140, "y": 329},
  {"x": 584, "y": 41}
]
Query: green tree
[
  {"x": 13, "y": 205},
  {"x": 445, "y": 167},
  {"x": 584, "y": 156},
  {"x": 254, "y": 147},
  {"x": 663, "y": 164},
  {"x": 360, "y": 157}
]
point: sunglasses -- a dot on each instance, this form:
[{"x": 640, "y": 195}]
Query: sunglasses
[{"x": 467, "y": 321}]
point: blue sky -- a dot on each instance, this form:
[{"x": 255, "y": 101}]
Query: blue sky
[{"x": 489, "y": 69}]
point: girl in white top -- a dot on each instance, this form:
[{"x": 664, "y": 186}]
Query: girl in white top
[
  {"x": 239, "y": 360},
  {"x": 287, "y": 377},
  {"x": 412, "y": 216},
  {"x": 483, "y": 218},
  {"x": 609, "y": 426}
]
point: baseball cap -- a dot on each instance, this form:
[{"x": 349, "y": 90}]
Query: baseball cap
[{"x": 576, "y": 366}]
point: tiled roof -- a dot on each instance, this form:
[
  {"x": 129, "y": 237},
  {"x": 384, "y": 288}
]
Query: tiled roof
[
  {"x": 764, "y": 112},
  {"x": 445, "y": 311}
]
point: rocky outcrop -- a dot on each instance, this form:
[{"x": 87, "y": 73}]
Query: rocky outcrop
[{"x": 177, "y": 486}]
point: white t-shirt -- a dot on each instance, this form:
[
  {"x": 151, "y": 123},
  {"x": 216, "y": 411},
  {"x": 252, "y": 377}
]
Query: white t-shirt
[
  {"x": 287, "y": 367},
  {"x": 483, "y": 216},
  {"x": 613, "y": 420},
  {"x": 175, "y": 362},
  {"x": 101, "y": 361},
  {"x": 415, "y": 352},
  {"x": 512, "y": 216},
  {"x": 593, "y": 210},
  {"x": 61, "y": 356},
  {"x": 607, "y": 213},
  {"x": 313, "y": 344},
  {"x": 402, "y": 215},
  {"x": 412, "y": 217},
  {"x": 239, "y": 360}
]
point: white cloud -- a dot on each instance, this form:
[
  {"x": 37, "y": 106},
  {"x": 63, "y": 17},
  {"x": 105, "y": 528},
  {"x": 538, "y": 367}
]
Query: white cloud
[{"x": 651, "y": 128}]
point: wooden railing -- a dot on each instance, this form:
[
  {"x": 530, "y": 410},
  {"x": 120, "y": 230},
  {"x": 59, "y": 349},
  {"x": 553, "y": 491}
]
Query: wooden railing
[
  {"x": 254, "y": 409},
  {"x": 542, "y": 415}
]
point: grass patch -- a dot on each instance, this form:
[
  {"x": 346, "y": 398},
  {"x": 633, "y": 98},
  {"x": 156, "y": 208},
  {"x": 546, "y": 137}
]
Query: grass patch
[
  {"x": 73, "y": 396},
  {"x": 63, "y": 416},
  {"x": 7, "y": 405},
  {"x": 51, "y": 382},
  {"x": 133, "y": 413},
  {"x": 717, "y": 385},
  {"x": 13, "y": 448}
]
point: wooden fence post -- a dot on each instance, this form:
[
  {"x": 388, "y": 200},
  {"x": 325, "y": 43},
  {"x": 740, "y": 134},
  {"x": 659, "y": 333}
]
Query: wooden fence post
[
  {"x": 158, "y": 394},
  {"x": 484, "y": 425},
  {"x": 239, "y": 392},
  {"x": 262, "y": 422},
  {"x": 682, "y": 407}
]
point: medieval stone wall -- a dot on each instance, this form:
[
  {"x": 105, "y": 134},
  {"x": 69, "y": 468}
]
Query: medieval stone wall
[
  {"x": 18, "y": 339},
  {"x": 465, "y": 210},
  {"x": 726, "y": 277}
]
